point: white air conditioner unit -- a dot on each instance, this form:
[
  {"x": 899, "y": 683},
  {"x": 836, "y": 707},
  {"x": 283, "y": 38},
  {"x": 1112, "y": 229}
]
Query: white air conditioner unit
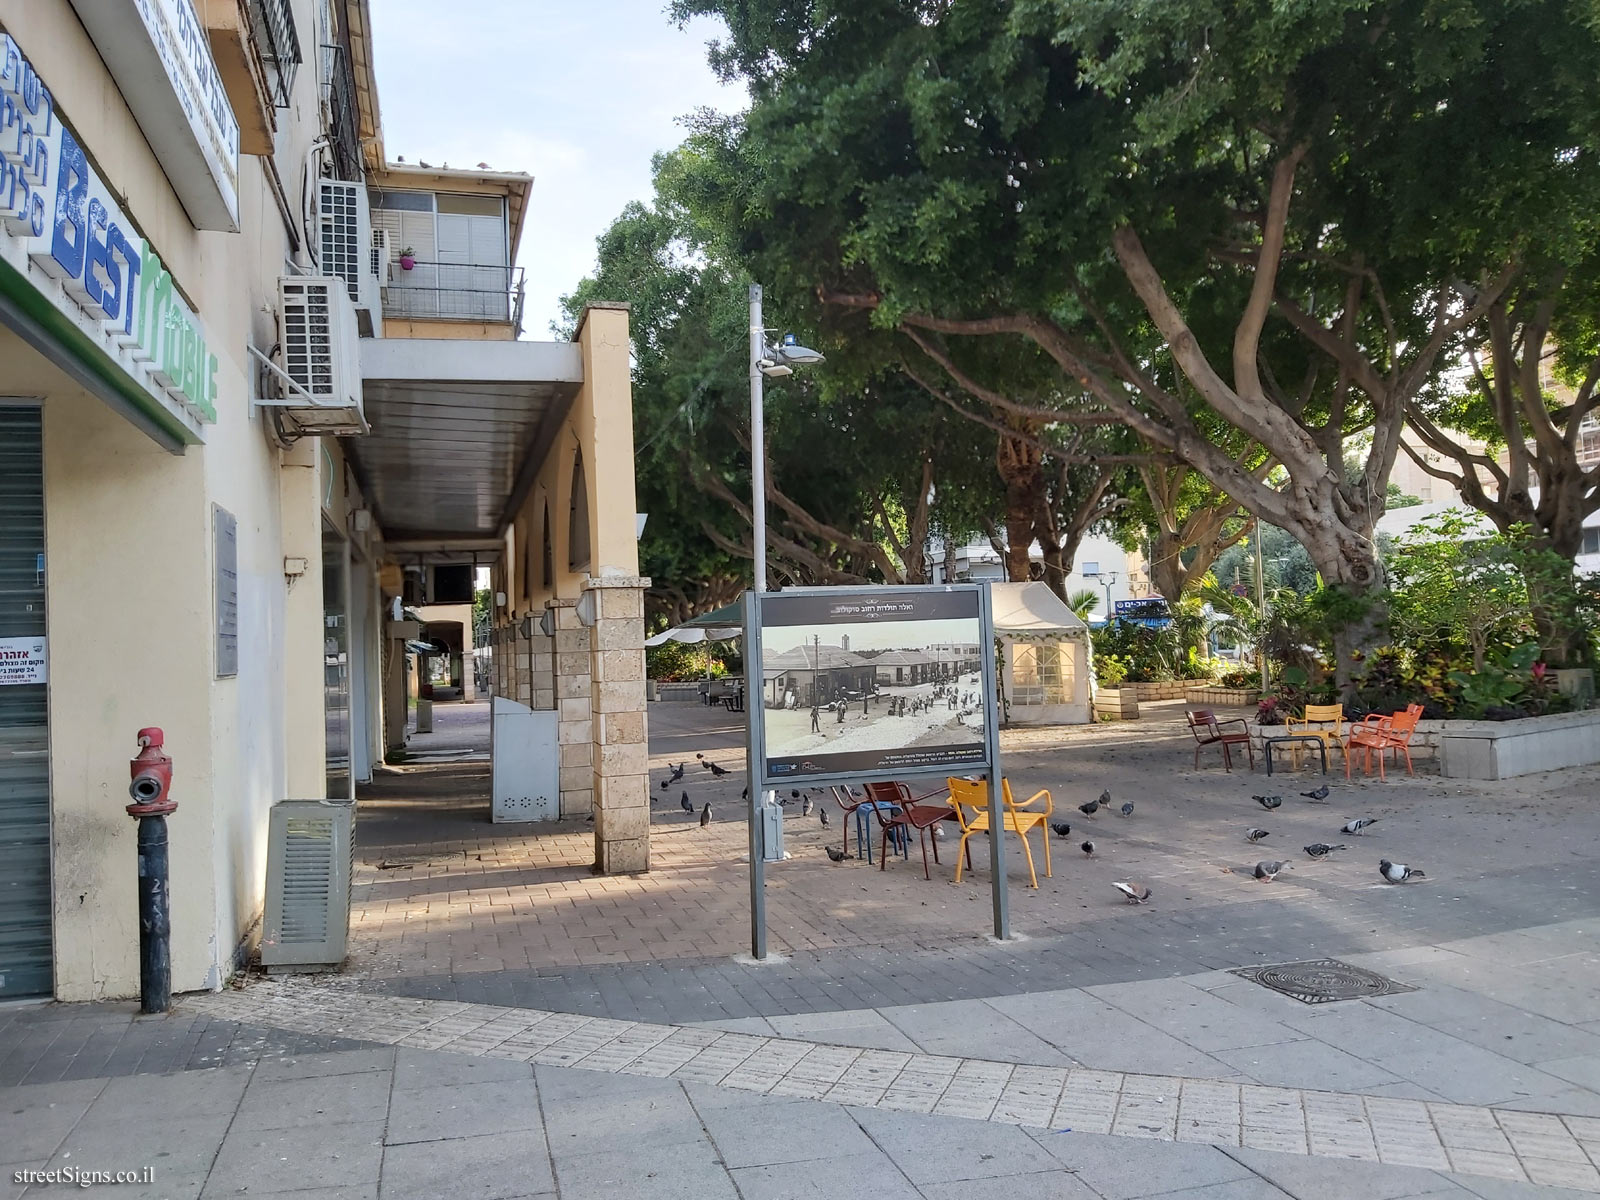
[
  {"x": 382, "y": 256},
  {"x": 310, "y": 865},
  {"x": 344, "y": 241},
  {"x": 321, "y": 365}
]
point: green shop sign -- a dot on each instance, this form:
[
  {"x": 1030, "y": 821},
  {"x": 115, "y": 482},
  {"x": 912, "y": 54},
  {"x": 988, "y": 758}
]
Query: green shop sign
[{"x": 67, "y": 242}]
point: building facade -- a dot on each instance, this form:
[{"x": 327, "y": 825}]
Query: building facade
[{"x": 237, "y": 427}]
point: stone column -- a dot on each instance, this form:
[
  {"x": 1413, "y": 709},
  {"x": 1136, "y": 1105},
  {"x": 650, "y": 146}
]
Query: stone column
[
  {"x": 575, "y": 724},
  {"x": 541, "y": 670},
  {"x": 621, "y": 756}
]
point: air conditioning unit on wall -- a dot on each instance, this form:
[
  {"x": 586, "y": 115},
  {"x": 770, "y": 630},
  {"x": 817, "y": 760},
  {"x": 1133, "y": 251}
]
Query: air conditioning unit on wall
[
  {"x": 344, "y": 245},
  {"x": 321, "y": 364}
]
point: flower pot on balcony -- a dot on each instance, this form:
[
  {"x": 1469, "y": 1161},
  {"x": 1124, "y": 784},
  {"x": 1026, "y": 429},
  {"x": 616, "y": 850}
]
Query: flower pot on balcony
[{"x": 407, "y": 262}]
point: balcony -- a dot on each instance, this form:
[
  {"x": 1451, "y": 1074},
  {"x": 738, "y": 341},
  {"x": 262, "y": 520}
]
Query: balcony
[
  {"x": 257, "y": 53},
  {"x": 455, "y": 292},
  {"x": 277, "y": 46},
  {"x": 339, "y": 106}
]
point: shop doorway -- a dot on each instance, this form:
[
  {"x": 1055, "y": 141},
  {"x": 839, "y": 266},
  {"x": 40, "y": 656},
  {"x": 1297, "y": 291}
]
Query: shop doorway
[
  {"x": 25, "y": 929},
  {"x": 336, "y": 661}
]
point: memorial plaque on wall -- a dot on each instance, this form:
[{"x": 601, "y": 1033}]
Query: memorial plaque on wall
[{"x": 225, "y": 533}]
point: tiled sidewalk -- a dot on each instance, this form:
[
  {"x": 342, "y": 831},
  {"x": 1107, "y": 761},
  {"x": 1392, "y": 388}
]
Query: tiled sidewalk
[{"x": 1540, "y": 1148}]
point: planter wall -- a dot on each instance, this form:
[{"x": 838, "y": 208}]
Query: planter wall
[
  {"x": 1120, "y": 703},
  {"x": 1216, "y": 696},
  {"x": 1506, "y": 749},
  {"x": 677, "y": 691},
  {"x": 1166, "y": 689}
]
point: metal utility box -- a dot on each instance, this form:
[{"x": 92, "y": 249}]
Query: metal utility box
[{"x": 310, "y": 864}]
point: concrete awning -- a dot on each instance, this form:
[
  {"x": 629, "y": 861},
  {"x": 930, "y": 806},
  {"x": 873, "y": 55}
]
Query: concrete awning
[{"x": 459, "y": 431}]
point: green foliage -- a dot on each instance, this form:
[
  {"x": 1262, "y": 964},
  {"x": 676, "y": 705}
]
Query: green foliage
[
  {"x": 1082, "y": 602},
  {"x": 675, "y": 662},
  {"x": 1109, "y": 670}
]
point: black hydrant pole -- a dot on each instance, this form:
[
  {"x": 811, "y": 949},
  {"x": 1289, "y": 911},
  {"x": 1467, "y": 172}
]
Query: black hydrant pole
[
  {"x": 155, "y": 918},
  {"x": 151, "y": 770}
]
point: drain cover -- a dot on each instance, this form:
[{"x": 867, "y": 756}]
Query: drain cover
[{"x": 1322, "y": 980}]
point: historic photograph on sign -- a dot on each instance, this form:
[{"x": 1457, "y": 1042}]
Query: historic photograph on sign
[{"x": 863, "y": 683}]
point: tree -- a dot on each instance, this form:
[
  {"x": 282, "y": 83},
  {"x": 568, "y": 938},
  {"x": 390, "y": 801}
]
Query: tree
[
  {"x": 1534, "y": 364},
  {"x": 1251, "y": 195},
  {"x": 1191, "y": 523},
  {"x": 851, "y": 471}
]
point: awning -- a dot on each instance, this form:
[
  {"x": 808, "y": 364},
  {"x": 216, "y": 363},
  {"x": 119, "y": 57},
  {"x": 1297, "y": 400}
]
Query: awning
[
  {"x": 693, "y": 637},
  {"x": 729, "y": 615},
  {"x": 459, "y": 432},
  {"x": 1033, "y": 608}
]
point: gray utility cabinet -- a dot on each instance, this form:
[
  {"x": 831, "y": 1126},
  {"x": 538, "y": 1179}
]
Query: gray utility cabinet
[{"x": 310, "y": 863}]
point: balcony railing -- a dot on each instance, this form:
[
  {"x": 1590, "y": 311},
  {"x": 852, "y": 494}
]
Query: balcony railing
[
  {"x": 455, "y": 292},
  {"x": 277, "y": 44}
]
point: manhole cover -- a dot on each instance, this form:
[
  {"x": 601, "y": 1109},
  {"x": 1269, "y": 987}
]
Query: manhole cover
[{"x": 1322, "y": 980}]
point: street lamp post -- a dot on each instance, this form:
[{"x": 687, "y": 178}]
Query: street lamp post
[
  {"x": 1108, "y": 581},
  {"x": 775, "y": 361}
]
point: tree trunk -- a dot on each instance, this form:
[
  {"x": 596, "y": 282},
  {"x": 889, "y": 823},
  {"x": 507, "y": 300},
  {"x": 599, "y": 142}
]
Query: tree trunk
[
  {"x": 1021, "y": 468},
  {"x": 1350, "y": 561}
]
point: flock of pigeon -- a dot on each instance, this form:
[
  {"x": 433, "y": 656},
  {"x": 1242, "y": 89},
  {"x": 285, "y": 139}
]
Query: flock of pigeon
[
  {"x": 1267, "y": 870},
  {"x": 1136, "y": 893}
]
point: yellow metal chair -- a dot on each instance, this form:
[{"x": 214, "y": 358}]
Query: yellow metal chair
[
  {"x": 1321, "y": 720},
  {"x": 1019, "y": 818}
]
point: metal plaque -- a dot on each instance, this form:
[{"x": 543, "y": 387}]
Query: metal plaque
[{"x": 225, "y": 535}]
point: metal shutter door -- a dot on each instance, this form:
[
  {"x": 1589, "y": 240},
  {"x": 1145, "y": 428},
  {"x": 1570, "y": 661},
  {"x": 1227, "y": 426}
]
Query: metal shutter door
[{"x": 25, "y": 946}]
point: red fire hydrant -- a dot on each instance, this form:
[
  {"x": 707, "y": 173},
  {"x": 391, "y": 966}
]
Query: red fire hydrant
[{"x": 151, "y": 771}]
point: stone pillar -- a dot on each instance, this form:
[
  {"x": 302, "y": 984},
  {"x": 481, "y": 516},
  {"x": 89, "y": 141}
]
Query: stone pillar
[
  {"x": 575, "y": 724},
  {"x": 541, "y": 670},
  {"x": 621, "y": 756}
]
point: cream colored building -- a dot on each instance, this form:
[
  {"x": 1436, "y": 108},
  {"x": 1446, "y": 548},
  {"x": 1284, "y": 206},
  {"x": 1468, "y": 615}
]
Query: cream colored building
[{"x": 234, "y": 429}]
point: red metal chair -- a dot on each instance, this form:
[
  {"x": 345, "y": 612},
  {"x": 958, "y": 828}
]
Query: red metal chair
[
  {"x": 848, "y": 804},
  {"x": 1208, "y": 731},
  {"x": 899, "y": 812}
]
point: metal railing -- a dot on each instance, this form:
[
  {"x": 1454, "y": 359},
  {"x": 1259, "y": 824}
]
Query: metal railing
[
  {"x": 344, "y": 120},
  {"x": 277, "y": 44},
  {"x": 455, "y": 292}
]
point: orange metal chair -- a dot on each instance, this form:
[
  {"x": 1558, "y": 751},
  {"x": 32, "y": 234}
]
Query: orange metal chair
[
  {"x": 1322, "y": 720},
  {"x": 1018, "y": 818},
  {"x": 1380, "y": 734}
]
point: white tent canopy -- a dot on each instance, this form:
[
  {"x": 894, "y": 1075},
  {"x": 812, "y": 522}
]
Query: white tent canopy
[
  {"x": 1044, "y": 656},
  {"x": 691, "y": 636}
]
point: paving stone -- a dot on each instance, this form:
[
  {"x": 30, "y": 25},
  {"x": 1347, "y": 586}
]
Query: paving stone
[
  {"x": 945, "y": 1149},
  {"x": 755, "y": 1133},
  {"x": 463, "y": 1110},
  {"x": 39, "y": 1116},
  {"x": 282, "y": 1160},
  {"x": 869, "y": 1176},
  {"x": 1107, "y": 1165},
  {"x": 488, "y": 1167},
  {"x": 416, "y": 1069},
  {"x": 1040, "y": 1185},
  {"x": 685, "y": 1171},
  {"x": 285, "y": 1103}
]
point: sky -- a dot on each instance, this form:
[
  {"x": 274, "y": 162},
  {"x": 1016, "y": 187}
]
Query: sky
[{"x": 578, "y": 95}]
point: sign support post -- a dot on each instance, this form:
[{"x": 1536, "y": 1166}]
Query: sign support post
[
  {"x": 754, "y": 733},
  {"x": 997, "y": 806}
]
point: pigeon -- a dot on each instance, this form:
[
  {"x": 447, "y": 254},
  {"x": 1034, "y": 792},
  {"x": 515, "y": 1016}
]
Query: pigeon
[
  {"x": 677, "y": 772},
  {"x": 822, "y": 815},
  {"x": 1358, "y": 825},
  {"x": 1088, "y": 848},
  {"x": 745, "y": 795},
  {"x": 837, "y": 856},
  {"x": 1319, "y": 793},
  {"x": 1266, "y": 872},
  {"x": 705, "y": 815},
  {"x": 687, "y": 807},
  {"x": 1268, "y": 802},
  {"x": 1105, "y": 797},
  {"x": 698, "y": 755},
  {"x": 1136, "y": 893},
  {"x": 665, "y": 784},
  {"x": 1322, "y": 849},
  {"x": 1254, "y": 835},
  {"x": 805, "y": 807},
  {"x": 1090, "y": 808},
  {"x": 1061, "y": 829},
  {"x": 716, "y": 770},
  {"x": 1127, "y": 809},
  {"x": 1395, "y": 872},
  {"x": 794, "y": 793}
]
